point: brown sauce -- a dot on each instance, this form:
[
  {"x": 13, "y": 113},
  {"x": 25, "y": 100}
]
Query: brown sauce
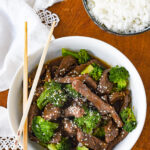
[
  {"x": 52, "y": 66},
  {"x": 57, "y": 61}
]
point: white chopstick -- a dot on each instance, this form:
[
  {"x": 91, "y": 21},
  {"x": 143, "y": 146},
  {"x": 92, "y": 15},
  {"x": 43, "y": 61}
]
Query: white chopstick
[
  {"x": 25, "y": 89},
  {"x": 35, "y": 82}
]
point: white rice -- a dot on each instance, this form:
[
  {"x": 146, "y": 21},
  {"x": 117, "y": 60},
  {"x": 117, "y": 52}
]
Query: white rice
[{"x": 122, "y": 16}]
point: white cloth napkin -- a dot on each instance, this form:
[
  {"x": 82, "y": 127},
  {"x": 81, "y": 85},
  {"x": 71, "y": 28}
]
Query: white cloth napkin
[
  {"x": 13, "y": 14},
  {"x": 5, "y": 130}
]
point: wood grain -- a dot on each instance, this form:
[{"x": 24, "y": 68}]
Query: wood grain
[
  {"x": 25, "y": 87},
  {"x": 75, "y": 21},
  {"x": 3, "y": 98}
]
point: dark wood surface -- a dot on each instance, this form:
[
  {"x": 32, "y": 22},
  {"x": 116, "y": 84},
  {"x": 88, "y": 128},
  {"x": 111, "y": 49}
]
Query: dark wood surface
[{"x": 75, "y": 21}]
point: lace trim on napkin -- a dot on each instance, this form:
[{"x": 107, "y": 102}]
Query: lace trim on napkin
[
  {"x": 47, "y": 17},
  {"x": 7, "y": 143}
]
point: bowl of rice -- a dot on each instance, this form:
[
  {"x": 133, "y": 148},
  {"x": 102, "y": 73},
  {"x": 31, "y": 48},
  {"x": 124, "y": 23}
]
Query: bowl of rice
[{"x": 120, "y": 17}]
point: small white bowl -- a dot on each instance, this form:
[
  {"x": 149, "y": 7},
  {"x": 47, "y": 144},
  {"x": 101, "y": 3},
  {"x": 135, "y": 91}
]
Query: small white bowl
[{"x": 100, "y": 49}]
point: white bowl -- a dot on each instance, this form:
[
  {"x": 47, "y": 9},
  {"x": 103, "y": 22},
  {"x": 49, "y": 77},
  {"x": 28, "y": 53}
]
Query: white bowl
[{"x": 100, "y": 49}]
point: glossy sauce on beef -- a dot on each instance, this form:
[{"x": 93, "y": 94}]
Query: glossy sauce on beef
[{"x": 91, "y": 90}]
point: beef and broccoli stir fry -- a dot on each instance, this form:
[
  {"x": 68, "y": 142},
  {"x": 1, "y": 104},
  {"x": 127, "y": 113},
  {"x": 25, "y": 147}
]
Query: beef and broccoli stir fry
[{"x": 80, "y": 104}]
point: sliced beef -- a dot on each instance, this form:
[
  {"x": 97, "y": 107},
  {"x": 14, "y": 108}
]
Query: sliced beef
[
  {"x": 91, "y": 83},
  {"x": 53, "y": 65},
  {"x": 84, "y": 78},
  {"x": 106, "y": 119},
  {"x": 90, "y": 141},
  {"x": 97, "y": 102},
  {"x": 70, "y": 79},
  {"x": 33, "y": 138},
  {"x": 67, "y": 64},
  {"x": 56, "y": 138},
  {"x": 69, "y": 127},
  {"x": 105, "y": 86},
  {"x": 116, "y": 99},
  {"x": 123, "y": 96},
  {"x": 127, "y": 100},
  {"x": 118, "y": 139},
  {"x": 115, "y": 96},
  {"x": 51, "y": 112},
  {"x": 117, "y": 105},
  {"x": 78, "y": 69},
  {"x": 48, "y": 77},
  {"x": 105, "y": 98},
  {"x": 111, "y": 132},
  {"x": 34, "y": 111},
  {"x": 74, "y": 111},
  {"x": 53, "y": 70},
  {"x": 42, "y": 76}
]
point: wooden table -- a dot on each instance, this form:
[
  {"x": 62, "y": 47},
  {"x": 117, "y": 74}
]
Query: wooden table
[{"x": 75, "y": 21}]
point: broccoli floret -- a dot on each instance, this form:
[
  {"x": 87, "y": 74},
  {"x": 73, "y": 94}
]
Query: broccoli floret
[
  {"x": 94, "y": 70},
  {"x": 119, "y": 76},
  {"x": 42, "y": 129},
  {"x": 82, "y": 148},
  {"x": 129, "y": 119},
  {"x": 51, "y": 146},
  {"x": 54, "y": 94},
  {"x": 82, "y": 56},
  {"x": 99, "y": 132},
  {"x": 89, "y": 121},
  {"x": 71, "y": 92},
  {"x": 63, "y": 145},
  {"x": 88, "y": 69}
]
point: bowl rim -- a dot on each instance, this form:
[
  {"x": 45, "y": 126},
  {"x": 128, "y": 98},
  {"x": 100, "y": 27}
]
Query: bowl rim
[
  {"x": 96, "y": 40},
  {"x": 107, "y": 30}
]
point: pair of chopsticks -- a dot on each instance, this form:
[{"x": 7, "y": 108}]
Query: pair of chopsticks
[{"x": 27, "y": 103}]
